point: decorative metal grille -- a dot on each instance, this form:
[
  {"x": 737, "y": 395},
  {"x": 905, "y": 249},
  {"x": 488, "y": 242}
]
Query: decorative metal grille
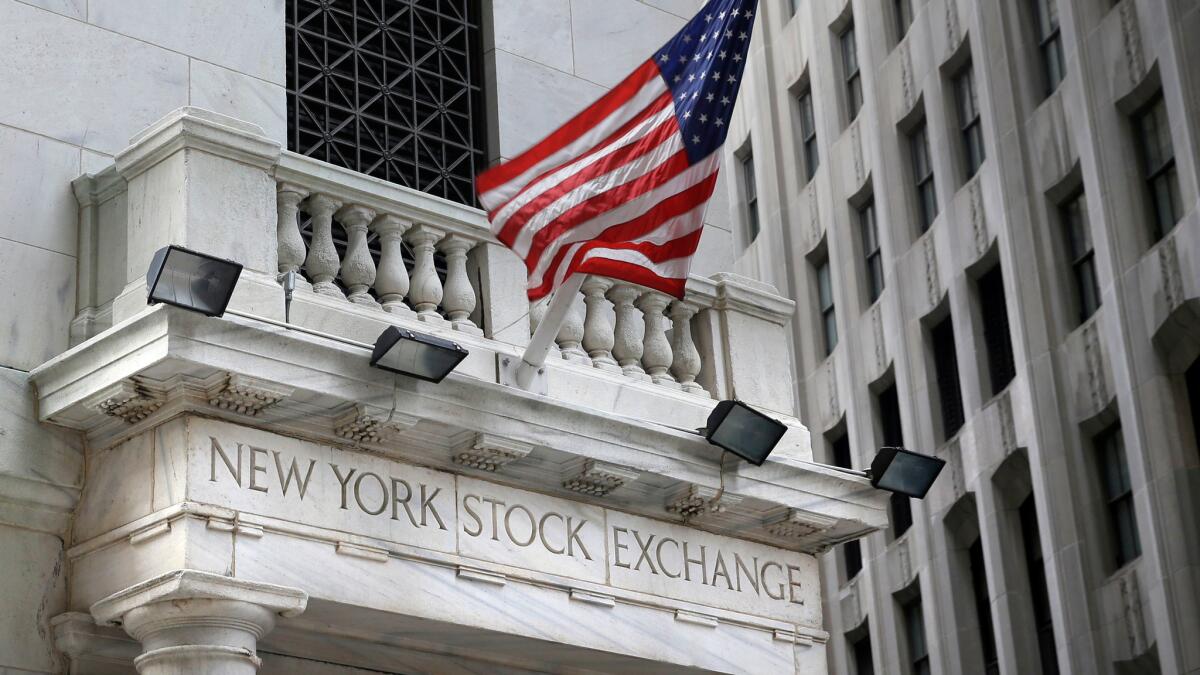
[{"x": 389, "y": 88}]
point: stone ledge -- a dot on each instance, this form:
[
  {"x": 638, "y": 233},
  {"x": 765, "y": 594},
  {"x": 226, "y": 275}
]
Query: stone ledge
[{"x": 192, "y": 584}]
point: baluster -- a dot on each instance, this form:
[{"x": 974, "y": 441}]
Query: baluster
[
  {"x": 570, "y": 335},
  {"x": 426, "y": 289},
  {"x": 322, "y": 262},
  {"x": 391, "y": 282},
  {"x": 459, "y": 299},
  {"x": 287, "y": 231},
  {"x": 598, "y": 335},
  {"x": 656, "y": 350},
  {"x": 627, "y": 344},
  {"x": 537, "y": 311},
  {"x": 687, "y": 358},
  {"x": 358, "y": 269}
]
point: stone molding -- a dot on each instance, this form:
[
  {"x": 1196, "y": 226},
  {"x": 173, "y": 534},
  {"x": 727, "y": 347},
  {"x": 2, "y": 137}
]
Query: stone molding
[
  {"x": 186, "y": 584},
  {"x": 246, "y": 395},
  {"x": 35, "y": 504},
  {"x": 599, "y": 478},
  {"x": 190, "y": 128},
  {"x": 700, "y": 500},
  {"x": 372, "y": 424},
  {"x": 798, "y": 524},
  {"x": 488, "y": 452},
  {"x": 127, "y": 400},
  {"x": 755, "y": 298}
]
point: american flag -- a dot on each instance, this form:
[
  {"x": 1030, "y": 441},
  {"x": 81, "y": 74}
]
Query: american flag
[{"x": 620, "y": 190}]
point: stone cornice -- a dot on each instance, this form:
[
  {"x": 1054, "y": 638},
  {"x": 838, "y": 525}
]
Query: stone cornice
[
  {"x": 191, "y": 128},
  {"x": 192, "y": 585},
  {"x": 751, "y": 297},
  {"x": 36, "y": 504}
]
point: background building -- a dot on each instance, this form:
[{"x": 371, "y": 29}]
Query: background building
[
  {"x": 985, "y": 212},
  {"x": 987, "y": 215}
]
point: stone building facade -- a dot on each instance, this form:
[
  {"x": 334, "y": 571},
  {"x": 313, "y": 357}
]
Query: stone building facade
[
  {"x": 181, "y": 493},
  {"x": 986, "y": 213}
]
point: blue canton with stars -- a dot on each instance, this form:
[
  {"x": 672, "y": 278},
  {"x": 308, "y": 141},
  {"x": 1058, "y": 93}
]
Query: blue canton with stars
[{"x": 703, "y": 67}]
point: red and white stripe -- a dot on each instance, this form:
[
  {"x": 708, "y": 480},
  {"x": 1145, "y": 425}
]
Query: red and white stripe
[{"x": 610, "y": 193}]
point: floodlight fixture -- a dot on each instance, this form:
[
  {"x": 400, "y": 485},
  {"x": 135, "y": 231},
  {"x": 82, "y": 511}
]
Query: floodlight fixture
[
  {"x": 904, "y": 471},
  {"x": 744, "y": 431},
  {"x": 191, "y": 280},
  {"x": 418, "y": 355}
]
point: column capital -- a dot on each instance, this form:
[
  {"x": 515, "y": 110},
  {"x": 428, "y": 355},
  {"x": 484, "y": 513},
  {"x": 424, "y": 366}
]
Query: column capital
[{"x": 198, "y": 622}]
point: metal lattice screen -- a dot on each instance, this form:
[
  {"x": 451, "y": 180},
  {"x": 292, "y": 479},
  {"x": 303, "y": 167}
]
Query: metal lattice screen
[{"x": 389, "y": 88}]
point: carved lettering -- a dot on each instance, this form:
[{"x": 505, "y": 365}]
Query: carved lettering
[
  {"x": 343, "y": 481},
  {"x": 719, "y": 570},
  {"x": 234, "y": 470},
  {"x": 573, "y": 538},
  {"x": 427, "y": 507},
  {"x": 508, "y": 526},
  {"x": 293, "y": 473},
  {"x": 474, "y": 516},
  {"x": 255, "y": 467},
  {"x": 495, "y": 521},
  {"x": 645, "y": 555},
  {"x": 794, "y": 584},
  {"x": 658, "y": 554},
  {"x": 397, "y": 501},
  {"x": 618, "y": 547},
  {"x": 766, "y": 587},
  {"x": 382, "y": 494},
  {"x": 751, "y": 573},
  {"x": 542, "y": 532},
  {"x": 689, "y": 561}
]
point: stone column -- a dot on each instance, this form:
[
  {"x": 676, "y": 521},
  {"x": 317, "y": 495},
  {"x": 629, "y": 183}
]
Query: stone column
[
  {"x": 627, "y": 346},
  {"x": 358, "y": 268},
  {"x": 198, "y": 623},
  {"x": 656, "y": 349},
  {"x": 598, "y": 336},
  {"x": 425, "y": 289}
]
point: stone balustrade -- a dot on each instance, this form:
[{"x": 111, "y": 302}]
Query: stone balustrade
[
  {"x": 640, "y": 333},
  {"x": 375, "y": 227}
]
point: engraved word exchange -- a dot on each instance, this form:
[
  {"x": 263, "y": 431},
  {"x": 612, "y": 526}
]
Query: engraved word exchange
[{"x": 646, "y": 550}]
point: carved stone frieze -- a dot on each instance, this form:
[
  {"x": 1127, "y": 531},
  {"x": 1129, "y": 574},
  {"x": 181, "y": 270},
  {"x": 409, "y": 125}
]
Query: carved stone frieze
[
  {"x": 1008, "y": 429},
  {"x": 906, "y": 76},
  {"x": 1094, "y": 359},
  {"x": 952, "y": 32},
  {"x": 877, "y": 331},
  {"x": 797, "y": 524},
  {"x": 1132, "y": 42},
  {"x": 247, "y": 395},
  {"x": 599, "y": 478},
  {"x": 699, "y": 500},
  {"x": 859, "y": 167},
  {"x": 978, "y": 222},
  {"x": 932, "y": 283},
  {"x": 488, "y": 452},
  {"x": 128, "y": 400},
  {"x": 370, "y": 424},
  {"x": 1172, "y": 279}
]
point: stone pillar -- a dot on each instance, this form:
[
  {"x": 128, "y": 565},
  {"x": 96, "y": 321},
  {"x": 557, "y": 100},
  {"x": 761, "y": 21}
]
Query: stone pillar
[
  {"x": 198, "y": 623},
  {"x": 203, "y": 181}
]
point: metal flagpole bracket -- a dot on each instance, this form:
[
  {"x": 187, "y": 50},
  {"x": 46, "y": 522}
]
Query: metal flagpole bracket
[{"x": 529, "y": 371}]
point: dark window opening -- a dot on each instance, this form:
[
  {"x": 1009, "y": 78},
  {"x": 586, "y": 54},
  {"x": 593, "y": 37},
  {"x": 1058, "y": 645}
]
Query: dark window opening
[
  {"x": 1078, "y": 233},
  {"x": 828, "y": 311},
  {"x": 864, "y": 662},
  {"x": 392, "y": 89},
  {"x": 1158, "y": 165},
  {"x": 1039, "y": 593},
  {"x": 902, "y": 10},
  {"x": 871, "y": 251},
  {"x": 945, "y": 361},
  {"x": 967, "y": 104},
  {"x": 922, "y": 165},
  {"x": 751, "y": 187},
  {"x": 996, "y": 333},
  {"x": 808, "y": 135},
  {"x": 850, "y": 73},
  {"x": 914, "y": 633},
  {"x": 1049, "y": 37},
  {"x": 983, "y": 610},
  {"x": 1118, "y": 495},
  {"x": 1192, "y": 385},
  {"x": 893, "y": 436}
]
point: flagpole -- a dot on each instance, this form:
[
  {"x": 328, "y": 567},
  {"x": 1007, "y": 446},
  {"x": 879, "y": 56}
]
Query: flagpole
[{"x": 539, "y": 345}]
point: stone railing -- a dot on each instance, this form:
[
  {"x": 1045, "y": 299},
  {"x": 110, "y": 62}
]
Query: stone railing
[
  {"x": 390, "y": 253},
  {"x": 642, "y": 334},
  {"x": 367, "y": 209}
]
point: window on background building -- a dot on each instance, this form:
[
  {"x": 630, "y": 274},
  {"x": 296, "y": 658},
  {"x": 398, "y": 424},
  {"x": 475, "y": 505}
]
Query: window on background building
[
  {"x": 1158, "y": 164},
  {"x": 825, "y": 302},
  {"x": 914, "y": 634},
  {"x": 871, "y": 253},
  {"x": 1118, "y": 495},
  {"x": 362, "y": 104},
  {"x": 904, "y": 17},
  {"x": 945, "y": 362},
  {"x": 983, "y": 610},
  {"x": 1078, "y": 233},
  {"x": 751, "y": 187},
  {"x": 996, "y": 334},
  {"x": 1192, "y": 386},
  {"x": 795, "y": 6},
  {"x": 864, "y": 662},
  {"x": 851, "y": 550},
  {"x": 1039, "y": 593},
  {"x": 893, "y": 436},
  {"x": 1049, "y": 37},
  {"x": 850, "y": 73},
  {"x": 969, "y": 126},
  {"x": 808, "y": 134},
  {"x": 922, "y": 164}
]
